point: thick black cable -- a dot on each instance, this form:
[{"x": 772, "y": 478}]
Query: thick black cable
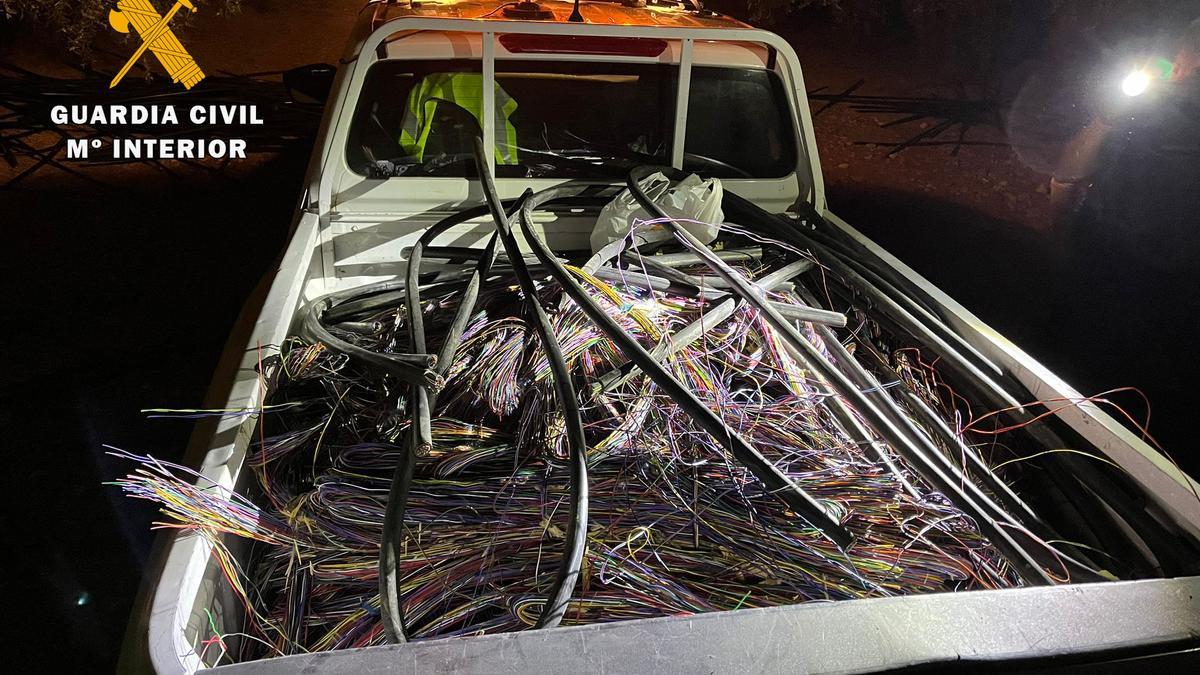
[
  {"x": 422, "y": 402},
  {"x": 1080, "y": 563},
  {"x": 777, "y": 482},
  {"x": 928, "y": 417},
  {"x": 1067, "y": 468},
  {"x": 851, "y": 248},
  {"x": 1175, "y": 555},
  {"x": 570, "y": 568},
  {"x": 882, "y": 422},
  {"x": 962, "y": 488},
  {"x": 410, "y": 368},
  {"x": 903, "y": 291},
  {"x": 391, "y": 609},
  {"x": 923, "y": 314},
  {"x": 389, "y": 294},
  {"x": 1097, "y": 486},
  {"x": 887, "y": 305}
]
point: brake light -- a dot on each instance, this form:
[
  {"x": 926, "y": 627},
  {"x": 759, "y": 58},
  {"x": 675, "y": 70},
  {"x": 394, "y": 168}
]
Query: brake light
[{"x": 519, "y": 43}]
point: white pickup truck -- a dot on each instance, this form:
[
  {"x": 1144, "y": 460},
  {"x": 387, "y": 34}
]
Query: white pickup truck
[{"x": 661, "y": 82}]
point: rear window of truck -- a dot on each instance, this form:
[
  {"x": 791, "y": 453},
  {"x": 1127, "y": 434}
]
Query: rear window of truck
[{"x": 569, "y": 120}]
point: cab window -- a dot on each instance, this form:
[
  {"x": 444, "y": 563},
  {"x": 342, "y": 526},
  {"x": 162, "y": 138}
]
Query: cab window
[{"x": 569, "y": 120}]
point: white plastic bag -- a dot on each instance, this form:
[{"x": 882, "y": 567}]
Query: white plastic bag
[{"x": 696, "y": 203}]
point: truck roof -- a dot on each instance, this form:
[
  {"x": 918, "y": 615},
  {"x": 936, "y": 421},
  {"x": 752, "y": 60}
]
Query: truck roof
[{"x": 666, "y": 13}]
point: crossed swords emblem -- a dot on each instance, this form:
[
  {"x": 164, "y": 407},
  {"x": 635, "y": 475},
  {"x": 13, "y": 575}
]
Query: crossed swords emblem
[{"x": 157, "y": 37}]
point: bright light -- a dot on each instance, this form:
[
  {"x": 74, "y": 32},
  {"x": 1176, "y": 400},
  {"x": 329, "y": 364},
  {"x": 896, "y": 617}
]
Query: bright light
[{"x": 1135, "y": 83}]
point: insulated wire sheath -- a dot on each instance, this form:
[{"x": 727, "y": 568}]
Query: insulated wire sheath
[
  {"x": 862, "y": 260},
  {"x": 422, "y": 403},
  {"x": 884, "y": 302},
  {"x": 389, "y": 293},
  {"x": 908, "y": 446},
  {"x": 317, "y": 582},
  {"x": 962, "y": 488},
  {"x": 1096, "y": 484},
  {"x": 794, "y": 311},
  {"x": 775, "y": 480},
  {"x": 929, "y": 418},
  {"x": 570, "y": 566},
  {"x": 853, "y": 253},
  {"x": 410, "y": 368},
  {"x": 671, "y": 344}
]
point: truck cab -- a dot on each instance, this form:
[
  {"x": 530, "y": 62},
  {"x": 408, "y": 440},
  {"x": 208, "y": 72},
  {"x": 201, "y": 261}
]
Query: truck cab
[
  {"x": 579, "y": 101},
  {"x": 581, "y": 92}
]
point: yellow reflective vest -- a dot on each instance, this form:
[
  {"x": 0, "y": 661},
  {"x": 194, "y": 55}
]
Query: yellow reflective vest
[{"x": 463, "y": 90}]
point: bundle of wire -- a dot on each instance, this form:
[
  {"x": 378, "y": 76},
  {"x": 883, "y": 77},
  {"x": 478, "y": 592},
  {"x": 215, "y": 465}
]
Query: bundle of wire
[
  {"x": 674, "y": 526},
  {"x": 537, "y": 443}
]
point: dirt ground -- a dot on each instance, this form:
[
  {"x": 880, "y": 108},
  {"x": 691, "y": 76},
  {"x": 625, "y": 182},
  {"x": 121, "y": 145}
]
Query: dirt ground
[{"x": 989, "y": 180}]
